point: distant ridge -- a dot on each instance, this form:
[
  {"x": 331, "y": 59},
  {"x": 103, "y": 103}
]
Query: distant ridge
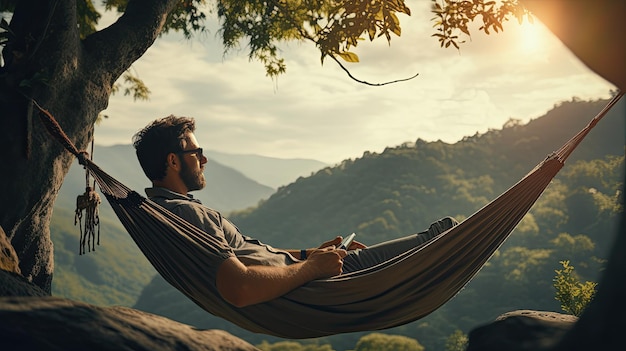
[
  {"x": 233, "y": 181},
  {"x": 271, "y": 171}
]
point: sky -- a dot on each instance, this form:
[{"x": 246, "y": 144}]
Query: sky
[{"x": 315, "y": 111}]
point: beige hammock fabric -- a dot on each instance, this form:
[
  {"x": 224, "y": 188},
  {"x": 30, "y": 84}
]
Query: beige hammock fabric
[{"x": 396, "y": 292}]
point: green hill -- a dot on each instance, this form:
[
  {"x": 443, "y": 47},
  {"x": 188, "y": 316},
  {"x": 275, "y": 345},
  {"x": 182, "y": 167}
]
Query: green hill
[{"x": 403, "y": 189}]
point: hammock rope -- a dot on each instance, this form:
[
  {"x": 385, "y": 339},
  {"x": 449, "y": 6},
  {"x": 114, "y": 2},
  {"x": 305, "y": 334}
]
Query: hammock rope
[
  {"x": 398, "y": 291},
  {"x": 564, "y": 152}
]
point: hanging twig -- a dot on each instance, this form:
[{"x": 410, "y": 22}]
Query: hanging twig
[{"x": 368, "y": 83}]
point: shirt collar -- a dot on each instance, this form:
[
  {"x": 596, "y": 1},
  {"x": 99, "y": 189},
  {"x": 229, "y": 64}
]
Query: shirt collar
[{"x": 168, "y": 194}]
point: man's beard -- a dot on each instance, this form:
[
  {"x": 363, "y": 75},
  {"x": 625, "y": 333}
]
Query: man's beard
[{"x": 193, "y": 180}]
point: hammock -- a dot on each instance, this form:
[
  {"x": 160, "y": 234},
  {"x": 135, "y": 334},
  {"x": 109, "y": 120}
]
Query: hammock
[{"x": 396, "y": 292}]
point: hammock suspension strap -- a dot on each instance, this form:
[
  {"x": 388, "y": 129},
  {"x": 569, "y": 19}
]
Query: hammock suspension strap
[{"x": 89, "y": 200}]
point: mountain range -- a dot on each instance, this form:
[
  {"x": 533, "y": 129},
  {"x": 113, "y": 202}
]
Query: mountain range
[{"x": 233, "y": 181}]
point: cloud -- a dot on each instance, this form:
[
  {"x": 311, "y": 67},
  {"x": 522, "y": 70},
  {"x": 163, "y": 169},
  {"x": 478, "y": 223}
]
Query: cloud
[{"x": 316, "y": 111}]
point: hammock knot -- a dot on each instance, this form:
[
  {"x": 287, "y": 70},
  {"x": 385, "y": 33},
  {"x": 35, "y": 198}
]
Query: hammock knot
[
  {"x": 82, "y": 156},
  {"x": 133, "y": 199}
]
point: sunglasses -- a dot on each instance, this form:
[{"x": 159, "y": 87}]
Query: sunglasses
[{"x": 197, "y": 151}]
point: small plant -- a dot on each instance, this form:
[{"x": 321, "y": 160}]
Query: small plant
[
  {"x": 573, "y": 295},
  {"x": 457, "y": 341}
]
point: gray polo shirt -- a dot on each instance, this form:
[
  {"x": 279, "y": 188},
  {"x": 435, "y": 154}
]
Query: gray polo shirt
[{"x": 248, "y": 250}]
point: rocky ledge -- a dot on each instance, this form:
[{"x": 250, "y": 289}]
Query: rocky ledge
[
  {"x": 51, "y": 323},
  {"x": 32, "y": 320}
]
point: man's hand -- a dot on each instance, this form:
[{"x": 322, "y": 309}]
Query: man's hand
[
  {"x": 326, "y": 262},
  {"x": 337, "y": 240}
]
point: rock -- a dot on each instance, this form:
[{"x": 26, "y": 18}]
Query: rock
[
  {"x": 522, "y": 330},
  {"x": 8, "y": 256},
  {"x": 52, "y": 323},
  {"x": 30, "y": 319},
  {"x": 13, "y": 284}
]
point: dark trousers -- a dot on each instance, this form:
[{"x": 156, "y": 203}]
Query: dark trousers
[{"x": 375, "y": 254}]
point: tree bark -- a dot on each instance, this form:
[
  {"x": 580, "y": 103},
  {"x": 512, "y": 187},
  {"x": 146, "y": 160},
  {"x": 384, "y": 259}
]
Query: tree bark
[{"x": 47, "y": 61}]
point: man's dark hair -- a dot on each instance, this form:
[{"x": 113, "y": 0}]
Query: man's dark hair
[{"x": 157, "y": 140}]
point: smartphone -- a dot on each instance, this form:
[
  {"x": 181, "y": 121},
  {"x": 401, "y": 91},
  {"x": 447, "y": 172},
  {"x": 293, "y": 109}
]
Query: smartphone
[{"x": 345, "y": 243}]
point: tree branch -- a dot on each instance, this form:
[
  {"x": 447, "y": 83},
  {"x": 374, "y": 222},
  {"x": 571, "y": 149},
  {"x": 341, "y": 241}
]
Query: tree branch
[
  {"x": 112, "y": 50},
  {"x": 304, "y": 34},
  {"x": 365, "y": 82}
]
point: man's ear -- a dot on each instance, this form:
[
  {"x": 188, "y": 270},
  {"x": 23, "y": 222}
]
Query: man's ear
[{"x": 173, "y": 161}]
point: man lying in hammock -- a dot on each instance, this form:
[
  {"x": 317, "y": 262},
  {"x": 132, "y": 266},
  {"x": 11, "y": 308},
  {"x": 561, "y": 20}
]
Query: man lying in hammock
[{"x": 249, "y": 272}]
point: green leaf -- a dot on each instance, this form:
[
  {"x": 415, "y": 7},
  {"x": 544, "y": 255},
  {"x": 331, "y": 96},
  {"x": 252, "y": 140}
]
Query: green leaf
[
  {"x": 395, "y": 28},
  {"x": 372, "y": 31},
  {"x": 349, "y": 56}
]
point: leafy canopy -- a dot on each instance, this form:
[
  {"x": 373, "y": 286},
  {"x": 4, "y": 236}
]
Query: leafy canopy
[
  {"x": 334, "y": 26},
  {"x": 452, "y": 17}
]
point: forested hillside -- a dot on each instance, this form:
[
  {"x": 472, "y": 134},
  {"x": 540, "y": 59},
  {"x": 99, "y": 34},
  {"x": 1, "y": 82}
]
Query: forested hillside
[
  {"x": 403, "y": 189},
  {"x": 407, "y": 187}
]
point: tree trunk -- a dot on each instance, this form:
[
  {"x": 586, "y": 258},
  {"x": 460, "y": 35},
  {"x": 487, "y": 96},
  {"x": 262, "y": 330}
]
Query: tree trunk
[{"x": 47, "y": 61}]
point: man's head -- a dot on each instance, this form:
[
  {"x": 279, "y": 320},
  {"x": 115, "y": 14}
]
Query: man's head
[{"x": 170, "y": 155}]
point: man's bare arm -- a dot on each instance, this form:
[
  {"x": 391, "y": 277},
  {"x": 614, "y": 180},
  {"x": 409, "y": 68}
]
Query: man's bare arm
[{"x": 243, "y": 285}]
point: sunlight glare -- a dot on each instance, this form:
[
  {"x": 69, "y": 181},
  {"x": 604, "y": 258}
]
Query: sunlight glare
[{"x": 531, "y": 40}]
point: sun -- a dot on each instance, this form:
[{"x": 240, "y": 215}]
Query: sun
[{"x": 530, "y": 37}]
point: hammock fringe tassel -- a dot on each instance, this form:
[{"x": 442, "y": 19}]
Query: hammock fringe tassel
[{"x": 89, "y": 236}]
